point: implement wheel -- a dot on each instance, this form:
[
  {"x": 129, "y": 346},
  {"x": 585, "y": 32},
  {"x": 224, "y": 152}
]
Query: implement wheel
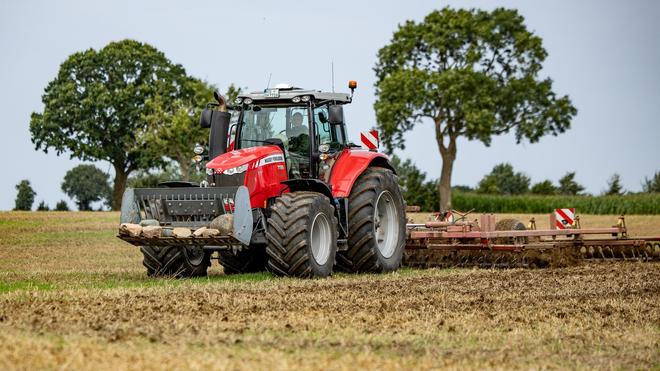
[
  {"x": 511, "y": 225},
  {"x": 175, "y": 261},
  {"x": 376, "y": 224},
  {"x": 249, "y": 260},
  {"x": 302, "y": 235}
]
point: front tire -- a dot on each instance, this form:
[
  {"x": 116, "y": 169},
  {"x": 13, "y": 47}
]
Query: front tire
[
  {"x": 177, "y": 261},
  {"x": 302, "y": 235},
  {"x": 376, "y": 224}
]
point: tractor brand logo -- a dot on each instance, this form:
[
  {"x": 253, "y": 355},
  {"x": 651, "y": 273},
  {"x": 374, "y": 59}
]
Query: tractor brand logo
[
  {"x": 564, "y": 218},
  {"x": 272, "y": 159},
  {"x": 369, "y": 139}
]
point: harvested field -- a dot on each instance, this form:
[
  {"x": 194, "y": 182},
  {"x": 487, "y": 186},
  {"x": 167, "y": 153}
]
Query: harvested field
[{"x": 73, "y": 296}]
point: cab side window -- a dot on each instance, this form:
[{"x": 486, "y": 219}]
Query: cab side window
[{"x": 323, "y": 129}]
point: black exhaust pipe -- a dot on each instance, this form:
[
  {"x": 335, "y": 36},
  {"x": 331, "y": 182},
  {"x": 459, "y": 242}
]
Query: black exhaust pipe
[{"x": 219, "y": 133}]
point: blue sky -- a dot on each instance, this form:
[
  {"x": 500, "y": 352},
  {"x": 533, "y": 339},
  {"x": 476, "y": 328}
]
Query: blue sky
[{"x": 605, "y": 55}]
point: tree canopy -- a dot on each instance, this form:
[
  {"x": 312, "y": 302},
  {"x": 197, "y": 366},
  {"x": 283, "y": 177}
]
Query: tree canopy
[
  {"x": 173, "y": 126},
  {"x": 472, "y": 74},
  {"x": 94, "y": 109},
  {"x": 568, "y": 185},
  {"x": 652, "y": 185},
  {"x": 503, "y": 180},
  {"x": 415, "y": 188},
  {"x": 614, "y": 187},
  {"x": 86, "y": 184},
  {"x": 25, "y": 196},
  {"x": 544, "y": 188},
  {"x": 61, "y": 206}
]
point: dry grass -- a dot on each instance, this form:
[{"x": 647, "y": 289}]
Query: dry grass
[{"x": 75, "y": 297}]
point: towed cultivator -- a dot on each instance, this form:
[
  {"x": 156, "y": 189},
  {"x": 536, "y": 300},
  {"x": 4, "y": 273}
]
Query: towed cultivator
[{"x": 509, "y": 243}]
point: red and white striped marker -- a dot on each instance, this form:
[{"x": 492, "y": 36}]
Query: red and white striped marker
[
  {"x": 564, "y": 218},
  {"x": 369, "y": 139},
  {"x": 231, "y": 135}
]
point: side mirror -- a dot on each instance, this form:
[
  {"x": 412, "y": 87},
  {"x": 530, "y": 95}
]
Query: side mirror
[
  {"x": 205, "y": 118},
  {"x": 336, "y": 115},
  {"x": 322, "y": 118}
]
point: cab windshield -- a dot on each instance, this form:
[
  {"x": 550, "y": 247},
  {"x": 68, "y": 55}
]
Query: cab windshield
[
  {"x": 290, "y": 124},
  {"x": 261, "y": 123}
]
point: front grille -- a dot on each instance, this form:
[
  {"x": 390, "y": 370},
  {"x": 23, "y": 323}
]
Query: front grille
[
  {"x": 223, "y": 180},
  {"x": 190, "y": 207}
]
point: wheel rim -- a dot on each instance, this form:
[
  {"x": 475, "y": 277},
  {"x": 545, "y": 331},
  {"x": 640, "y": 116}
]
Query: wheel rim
[
  {"x": 386, "y": 224},
  {"x": 321, "y": 239},
  {"x": 194, "y": 255}
]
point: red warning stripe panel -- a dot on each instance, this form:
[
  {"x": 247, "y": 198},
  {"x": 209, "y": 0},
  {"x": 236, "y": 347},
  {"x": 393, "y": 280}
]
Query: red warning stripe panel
[
  {"x": 559, "y": 224},
  {"x": 564, "y": 216},
  {"x": 369, "y": 139}
]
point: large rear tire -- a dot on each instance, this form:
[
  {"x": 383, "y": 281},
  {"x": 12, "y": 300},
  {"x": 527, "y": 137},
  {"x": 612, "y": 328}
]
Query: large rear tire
[
  {"x": 248, "y": 260},
  {"x": 302, "y": 235},
  {"x": 376, "y": 224},
  {"x": 175, "y": 261}
]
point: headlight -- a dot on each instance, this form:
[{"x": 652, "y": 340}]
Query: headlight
[
  {"x": 198, "y": 149},
  {"x": 238, "y": 100},
  {"x": 305, "y": 98},
  {"x": 295, "y": 99},
  {"x": 209, "y": 171},
  {"x": 247, "y": 100},
  {"x": 236, "y": 170},
  {"x": 324, "y": 148}
]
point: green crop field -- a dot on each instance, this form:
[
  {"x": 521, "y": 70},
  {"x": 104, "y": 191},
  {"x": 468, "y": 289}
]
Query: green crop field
[{"x": 73, "y": 296}]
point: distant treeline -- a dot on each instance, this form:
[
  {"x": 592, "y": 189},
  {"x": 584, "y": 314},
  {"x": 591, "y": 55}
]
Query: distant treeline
[
  {"x": 629, "y": 204},
  {"x": 504, "y": 190}
]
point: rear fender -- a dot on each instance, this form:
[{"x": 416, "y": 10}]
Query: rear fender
[{"x": 349, "y": 166}]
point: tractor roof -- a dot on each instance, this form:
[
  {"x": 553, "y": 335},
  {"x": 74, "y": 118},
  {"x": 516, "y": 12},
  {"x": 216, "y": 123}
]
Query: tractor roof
[{"x": 285, "y": 93}]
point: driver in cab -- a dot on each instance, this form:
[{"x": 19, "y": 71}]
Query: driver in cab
[
  {"x": 297, "y": 127},
  {"x": 298, "y": 145}
]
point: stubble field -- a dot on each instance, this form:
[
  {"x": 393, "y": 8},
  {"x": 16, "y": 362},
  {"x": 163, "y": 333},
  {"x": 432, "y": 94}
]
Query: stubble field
[{"x": 72, "y": 296}]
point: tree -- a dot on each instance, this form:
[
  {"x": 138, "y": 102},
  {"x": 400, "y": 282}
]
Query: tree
[
  {"x": 503, "y": 180},
  {"x": 568, "y": 185},
  {"x": 544, "y": 188},
  {"x": 152, "y": 177},
  {"x": 174, "y": 126},
  {"x": 652, "y": 185},
  {"x": 95, "y": 106},
  {"x": 472, "y": 74},
  {"x": 25, "y": 196},
  {"x": 614, "y": 187},
  {"x": 61, "y": 206},
  {"x": 86, "y": 184},
  {"x": 462, "y": 188},
  {"x": 415, "y": 189},
  {"x": 43, "y": 206}
]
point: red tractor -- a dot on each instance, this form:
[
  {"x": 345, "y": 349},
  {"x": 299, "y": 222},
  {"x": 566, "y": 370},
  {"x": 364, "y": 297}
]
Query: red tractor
[{"x": 285, "y": 191}]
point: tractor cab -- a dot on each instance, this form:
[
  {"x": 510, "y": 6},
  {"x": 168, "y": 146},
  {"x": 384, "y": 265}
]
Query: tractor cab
[{"x": 307, "y": 124}]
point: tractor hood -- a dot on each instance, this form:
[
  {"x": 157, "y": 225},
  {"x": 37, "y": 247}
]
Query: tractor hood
[{"x": 246, "y": 156}]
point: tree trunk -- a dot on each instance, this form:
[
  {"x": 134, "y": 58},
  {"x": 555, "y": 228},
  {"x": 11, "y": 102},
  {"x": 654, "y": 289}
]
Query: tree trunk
[
  {"x": 184, "y": 165},
  {"x": 121, "y": 176},
  {"x": 448, "y": 154}
]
